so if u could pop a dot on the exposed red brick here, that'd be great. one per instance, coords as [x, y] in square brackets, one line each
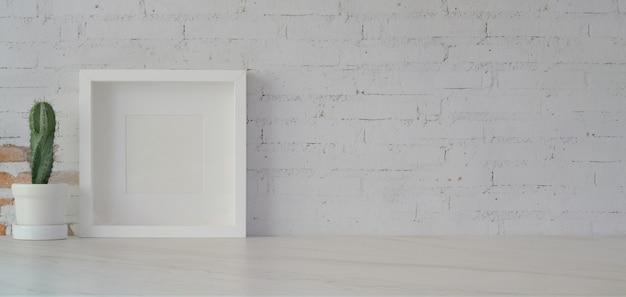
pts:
[23, 178]
[3, 230]
[6, 180]
[67, 177]
[6, 201]
[13, 153]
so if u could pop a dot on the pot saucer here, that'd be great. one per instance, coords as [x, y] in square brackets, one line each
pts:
[43, 232]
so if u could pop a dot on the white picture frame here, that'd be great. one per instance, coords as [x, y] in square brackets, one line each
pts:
[162, 153]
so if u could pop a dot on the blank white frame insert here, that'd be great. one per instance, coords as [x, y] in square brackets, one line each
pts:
[147, 154]
[162, 153]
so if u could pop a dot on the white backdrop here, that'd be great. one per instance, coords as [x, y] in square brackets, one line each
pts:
[368, 117]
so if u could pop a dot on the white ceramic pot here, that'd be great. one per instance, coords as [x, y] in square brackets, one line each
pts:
[39, 204]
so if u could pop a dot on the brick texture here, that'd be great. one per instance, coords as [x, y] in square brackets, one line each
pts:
[12, 153]
[66, 177]
[364, 117]
[6, 201]
[6, 179]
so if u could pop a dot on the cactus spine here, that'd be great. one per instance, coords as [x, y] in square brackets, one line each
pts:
[42, 125]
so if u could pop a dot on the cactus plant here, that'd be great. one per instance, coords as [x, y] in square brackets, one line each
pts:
[42, 126]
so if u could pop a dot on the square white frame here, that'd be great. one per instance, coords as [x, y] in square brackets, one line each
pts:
[88, 227]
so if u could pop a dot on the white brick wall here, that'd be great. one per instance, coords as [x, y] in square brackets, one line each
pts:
[370, 117]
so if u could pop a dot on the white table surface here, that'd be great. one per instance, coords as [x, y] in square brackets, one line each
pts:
[354, 266]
